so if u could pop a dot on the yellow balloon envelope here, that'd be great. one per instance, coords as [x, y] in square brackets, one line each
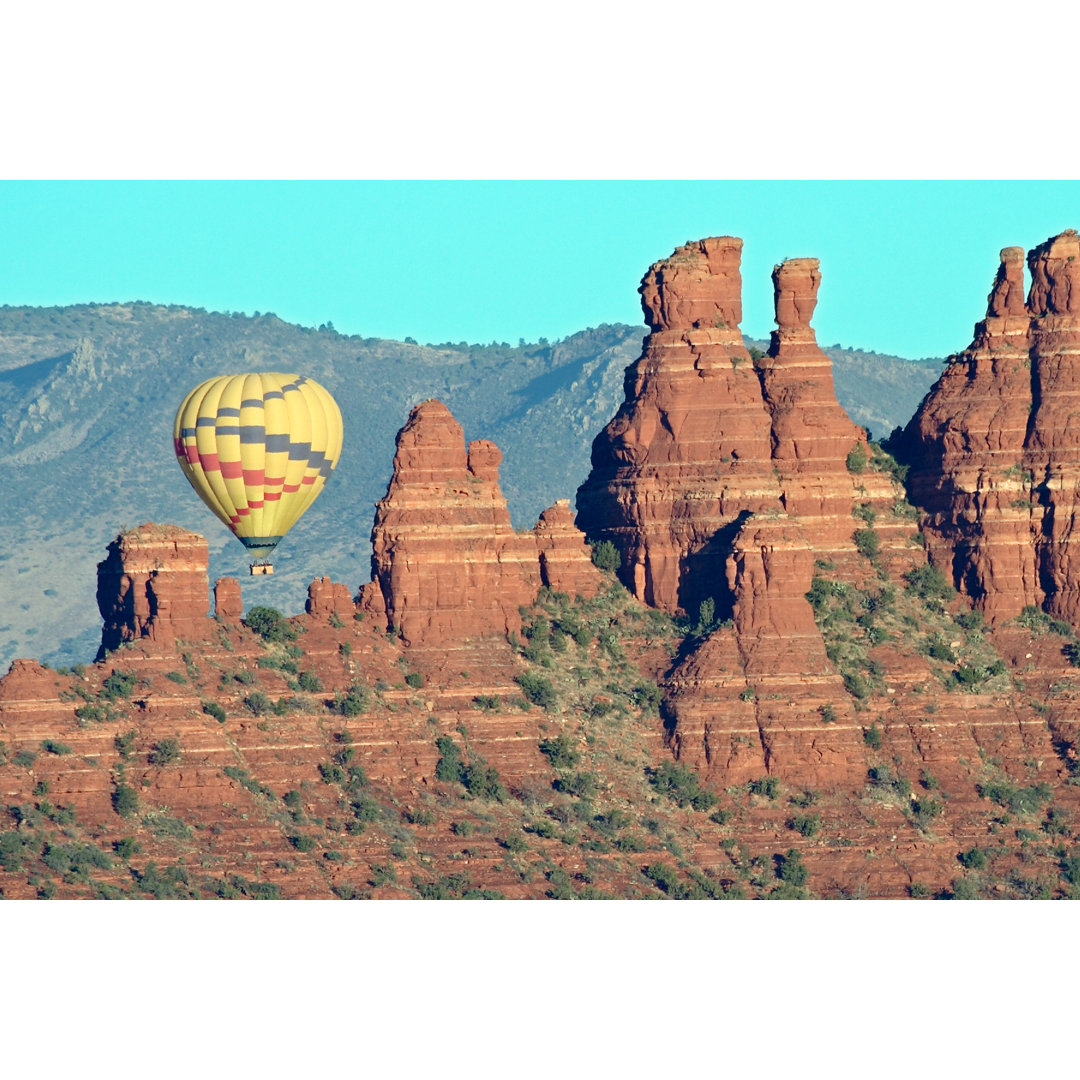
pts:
[258, 449]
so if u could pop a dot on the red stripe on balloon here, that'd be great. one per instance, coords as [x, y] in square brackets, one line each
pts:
[232, 470]
[254, 477]
[210, 462]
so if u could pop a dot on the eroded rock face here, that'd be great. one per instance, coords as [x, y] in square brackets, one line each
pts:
[327, 599]
[995, 447]
[447, 563]
[153, 584]
[565, 559]
[707, 436]
[228, 602]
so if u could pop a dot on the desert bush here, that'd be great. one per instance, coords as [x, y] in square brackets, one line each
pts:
[124, 800]
[537, 689]
[164, 752]
[309, 682]
[790, 868]
[212, 708]
[768, 786]
[257, 703]
[681, 785]
[805, 824]
[270, 624]
[560, 751]
[605, 555]
[120, 684]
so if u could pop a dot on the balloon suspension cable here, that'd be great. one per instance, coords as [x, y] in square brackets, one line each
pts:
[261, 568]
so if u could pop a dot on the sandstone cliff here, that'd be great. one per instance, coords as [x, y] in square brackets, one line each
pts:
[995, 447]
[707, 435]
[447, 563]
[153, 584]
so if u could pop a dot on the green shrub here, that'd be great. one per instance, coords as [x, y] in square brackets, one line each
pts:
[51, 746]
[292, 799]
[928, 583]
[790, 868]
[581, 785]
[332, 773]
[537, 689]
[257, 703]
[352, 703]
[124, 743]
[872, 736]
[560, 751]
[1017, 800]
[164, 752]
[768, 786]
[605, 555]
[973, 859]
[868, 543]
[681, 785]
[647, 697]
[270, 624]
[302, 842]
[827, 713]
[212, 708]
[126, 847]
[487, 702]
[24, 759]
[805, 824]
[120, 684]
[309, 682]
[124, 800]
[176, 677]
[450, 768]
[414, 679]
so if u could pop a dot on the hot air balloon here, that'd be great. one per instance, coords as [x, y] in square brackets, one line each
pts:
[258, 448]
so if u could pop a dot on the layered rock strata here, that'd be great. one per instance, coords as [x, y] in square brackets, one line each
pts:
[228, 603]
[153, 584]
[447, 563]
[707, 435]
[327, 600]
[995, 447]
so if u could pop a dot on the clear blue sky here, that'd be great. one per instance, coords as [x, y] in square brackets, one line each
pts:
[906, 265]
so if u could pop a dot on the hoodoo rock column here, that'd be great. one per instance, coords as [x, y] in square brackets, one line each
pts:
[154, 585]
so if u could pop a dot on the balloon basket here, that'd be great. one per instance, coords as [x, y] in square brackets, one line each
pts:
[261, 568]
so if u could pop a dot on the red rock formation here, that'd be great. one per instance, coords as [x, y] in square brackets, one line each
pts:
[447, 562]
[154, 585]
[688, 450]
[27, 680]
[327, 599]
[565, 559]
[995, 447]
[707, 436]
[228, 603]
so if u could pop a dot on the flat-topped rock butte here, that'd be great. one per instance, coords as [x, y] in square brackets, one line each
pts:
[801, 683]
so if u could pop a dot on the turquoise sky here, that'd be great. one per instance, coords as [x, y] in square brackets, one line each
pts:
[906, 266]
